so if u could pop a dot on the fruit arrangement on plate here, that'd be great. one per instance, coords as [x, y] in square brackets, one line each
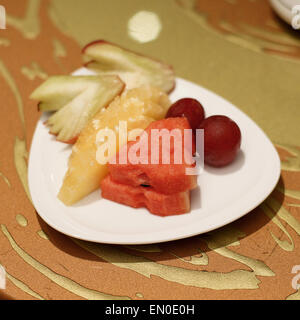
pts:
[121, 123]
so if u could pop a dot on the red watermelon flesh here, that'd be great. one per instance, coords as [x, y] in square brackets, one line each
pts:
[164, 178]
[138, 197]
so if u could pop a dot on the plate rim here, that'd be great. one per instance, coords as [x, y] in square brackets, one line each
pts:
[282, 10]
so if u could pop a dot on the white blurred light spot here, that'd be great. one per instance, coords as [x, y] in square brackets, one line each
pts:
[144, 26]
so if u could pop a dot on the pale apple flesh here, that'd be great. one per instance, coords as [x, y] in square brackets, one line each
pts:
[134, 69]
[78, 100]
[57, 91]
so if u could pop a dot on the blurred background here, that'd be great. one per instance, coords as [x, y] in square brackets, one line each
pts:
[241, 49]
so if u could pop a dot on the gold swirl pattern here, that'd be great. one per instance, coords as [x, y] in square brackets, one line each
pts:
[4, 42]
[29, 26]
[237, 279]
[59, 49]
[23, 286]
[292, 163]
[291, 193]
[59, 52]
[195, 260]
[20, 158]
[294, 205]
[284, 214]
[22, 221]
[218, 240]
[11, 83]
[62, 281]
[34, 71]
[5, 179]
[42, 235]
[294, 296]
[282, 243]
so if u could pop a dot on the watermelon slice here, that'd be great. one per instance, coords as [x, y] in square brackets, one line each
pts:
[164, 178]
[162, 188]
[138, 197]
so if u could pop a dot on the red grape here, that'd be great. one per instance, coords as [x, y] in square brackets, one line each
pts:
[222, 140]
[189, 108]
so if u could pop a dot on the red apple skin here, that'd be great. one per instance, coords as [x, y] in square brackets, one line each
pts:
[222, 140]
[71, 141]
[94, 43]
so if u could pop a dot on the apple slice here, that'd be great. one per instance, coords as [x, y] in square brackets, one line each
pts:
[83, 98]
[134, 69]
[57, 91]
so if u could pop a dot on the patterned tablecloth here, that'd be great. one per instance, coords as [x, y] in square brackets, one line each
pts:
[237, 48]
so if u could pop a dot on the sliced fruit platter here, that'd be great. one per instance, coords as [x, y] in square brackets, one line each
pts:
[128, 141]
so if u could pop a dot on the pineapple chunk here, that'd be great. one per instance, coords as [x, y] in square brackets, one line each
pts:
[139, 107]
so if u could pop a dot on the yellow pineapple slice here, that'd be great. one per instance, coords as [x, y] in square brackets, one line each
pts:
[138, 107]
